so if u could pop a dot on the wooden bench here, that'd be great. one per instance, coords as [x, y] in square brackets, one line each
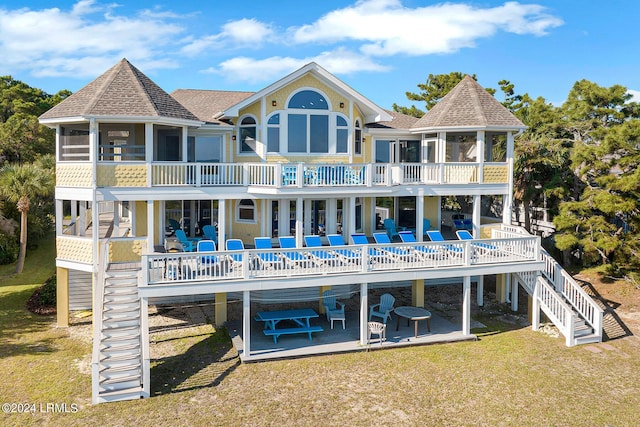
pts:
[288, 331]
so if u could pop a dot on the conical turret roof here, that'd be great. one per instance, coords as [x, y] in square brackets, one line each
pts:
[122, 91]
[468, 105]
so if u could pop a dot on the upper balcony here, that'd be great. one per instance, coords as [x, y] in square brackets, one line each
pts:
[278, 175]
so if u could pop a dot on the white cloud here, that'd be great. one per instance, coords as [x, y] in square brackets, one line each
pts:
[339, 61]
[635, 94]
[55, 42]
[241, 33]
[386, 27]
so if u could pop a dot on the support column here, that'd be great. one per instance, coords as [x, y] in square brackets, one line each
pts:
[62, 297]
[150, 226]
[350, 205]
[364, 312]
[477, 204]
[321, 309]
[514, 294]
[507, 203]
[220, 309]
[501, 288]
[420, 231]
[417, 293]
[534, 307]
[331, 216]
[246, 323]
[480, 291]
[283, 217]
[466, 305]
[307, 217]
[299, 222]
[222, 222]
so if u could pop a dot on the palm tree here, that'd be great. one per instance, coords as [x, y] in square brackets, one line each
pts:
[19, 184]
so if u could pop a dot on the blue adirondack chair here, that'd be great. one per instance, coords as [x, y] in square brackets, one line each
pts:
[234, 245]
[293, 258]
[333, 308]
[187, 245]
[391, 228]
[209, 232]
[383, 309]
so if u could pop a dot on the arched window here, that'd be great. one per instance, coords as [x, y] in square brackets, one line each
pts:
[248, 135]
[308, 99]
[273, 133]
[357, 139]
[246, 211]
[342, 135]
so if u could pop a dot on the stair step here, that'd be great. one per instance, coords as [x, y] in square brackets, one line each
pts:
[119, 346]
[113, 324]
[129, 393]
[117, 307]
[120, 380]
[119, 370]
[120, 316]
[588, 339]
[110, 358]
[121, 291]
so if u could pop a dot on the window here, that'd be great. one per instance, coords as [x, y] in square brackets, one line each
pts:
[273, 134]
[342, 135]
[461, 147]
[308, 99]
[74, 143]
[248, 135]
[357, 139]
[206, 149]
[168, 145]
[246, 211]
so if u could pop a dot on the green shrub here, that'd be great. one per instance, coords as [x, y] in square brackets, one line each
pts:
[8, 249]
[48, 292]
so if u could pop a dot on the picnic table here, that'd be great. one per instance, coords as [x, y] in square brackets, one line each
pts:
[300, 317]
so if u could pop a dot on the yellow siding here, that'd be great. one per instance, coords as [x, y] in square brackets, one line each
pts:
[74, 249]
[282, 94]
[431, 210]
[315, 158]
[242, 230]
[141, 218]
[120, 175]
[496, 174]
[73, 175]
[126, 250]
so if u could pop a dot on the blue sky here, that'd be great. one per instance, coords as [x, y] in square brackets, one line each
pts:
[381, 48]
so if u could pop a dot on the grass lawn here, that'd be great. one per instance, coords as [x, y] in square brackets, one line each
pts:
[510, 377]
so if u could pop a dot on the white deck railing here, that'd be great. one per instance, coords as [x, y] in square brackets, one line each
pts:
[556, 309]
[283, 175]
[173, 268]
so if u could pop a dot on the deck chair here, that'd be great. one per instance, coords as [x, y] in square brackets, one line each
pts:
[210, 232]
[187, 244]
[234, 245]
[333, 308]
[206, 261]
[391, 228]
[267, 259]
[361, 239]
[337, 242]
[383, 309]
[383, 238]
[425, 251]
[314, 241]
[175, 225]
[484, 247]
[426, 226]
[293, 258]
[436, 236]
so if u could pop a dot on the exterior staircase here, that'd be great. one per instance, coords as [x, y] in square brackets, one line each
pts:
[577, 316]
[118, 371]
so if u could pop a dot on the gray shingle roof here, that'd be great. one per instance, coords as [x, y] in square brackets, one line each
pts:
[122, 91]
[468, 105]
[399, 121]
[206, 104]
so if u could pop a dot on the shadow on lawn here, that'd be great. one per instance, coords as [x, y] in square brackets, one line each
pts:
[613, 327]
[204, 364]
[16, 323]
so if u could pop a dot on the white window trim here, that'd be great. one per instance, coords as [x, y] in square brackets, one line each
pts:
[239, 139]
[246, 221]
